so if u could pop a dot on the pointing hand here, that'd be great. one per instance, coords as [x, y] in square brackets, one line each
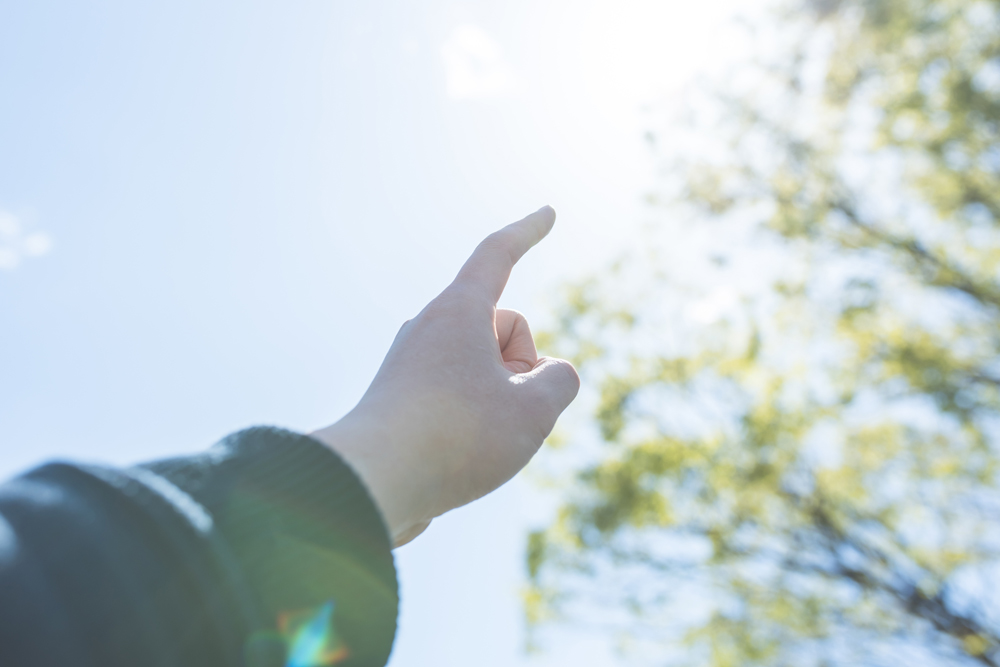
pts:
[462, 400]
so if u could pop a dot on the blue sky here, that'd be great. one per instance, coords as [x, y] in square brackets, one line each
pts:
[214, 215]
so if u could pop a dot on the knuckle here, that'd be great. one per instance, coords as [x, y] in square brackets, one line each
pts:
[571, 377]
[403, 328]
[498, 242]
[495, 240]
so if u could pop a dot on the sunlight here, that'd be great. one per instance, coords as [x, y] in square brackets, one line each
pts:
[474, 65]
[629, 53]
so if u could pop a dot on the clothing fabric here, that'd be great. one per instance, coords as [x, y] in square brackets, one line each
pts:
[264, 551]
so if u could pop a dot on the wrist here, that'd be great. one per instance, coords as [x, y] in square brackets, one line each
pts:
[390, 479]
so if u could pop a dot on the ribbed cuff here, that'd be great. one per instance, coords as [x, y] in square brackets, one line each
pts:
[309, 541]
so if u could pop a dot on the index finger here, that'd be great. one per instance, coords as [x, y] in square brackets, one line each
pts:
[490, 265]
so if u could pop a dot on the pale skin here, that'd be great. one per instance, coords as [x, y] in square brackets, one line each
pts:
[462, 400]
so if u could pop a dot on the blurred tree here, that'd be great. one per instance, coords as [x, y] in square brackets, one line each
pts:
[805, 473]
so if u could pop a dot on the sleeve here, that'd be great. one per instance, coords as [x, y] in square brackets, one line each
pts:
[264, 551]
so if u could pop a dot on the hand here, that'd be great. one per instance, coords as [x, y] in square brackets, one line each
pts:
[462, 401]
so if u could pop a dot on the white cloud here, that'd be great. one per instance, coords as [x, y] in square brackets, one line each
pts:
[36, 245]
[15, 245]
[474, 66]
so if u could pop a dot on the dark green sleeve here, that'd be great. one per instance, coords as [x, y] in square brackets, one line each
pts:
[264, 551]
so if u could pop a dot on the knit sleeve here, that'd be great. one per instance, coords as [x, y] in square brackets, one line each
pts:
[264, 551]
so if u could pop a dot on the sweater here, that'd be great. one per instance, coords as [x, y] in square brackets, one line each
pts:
[264, 551]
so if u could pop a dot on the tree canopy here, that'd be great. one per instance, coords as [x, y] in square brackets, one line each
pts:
[798, 446]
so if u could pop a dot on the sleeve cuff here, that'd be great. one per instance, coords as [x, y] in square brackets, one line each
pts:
[310, 543]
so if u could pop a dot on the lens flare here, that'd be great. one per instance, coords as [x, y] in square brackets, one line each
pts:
[312, 638]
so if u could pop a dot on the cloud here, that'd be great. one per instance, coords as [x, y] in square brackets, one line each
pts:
[474, 66]
[16, 244]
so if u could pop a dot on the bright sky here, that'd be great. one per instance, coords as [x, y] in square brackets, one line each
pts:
[218, 214]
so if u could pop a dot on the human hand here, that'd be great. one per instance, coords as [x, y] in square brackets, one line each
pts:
[462, 400]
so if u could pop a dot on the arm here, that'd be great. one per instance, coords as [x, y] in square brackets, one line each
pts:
[274, 548]
[462, 401]
[212, 560]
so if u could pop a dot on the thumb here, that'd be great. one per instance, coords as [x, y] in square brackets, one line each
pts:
[547, 390]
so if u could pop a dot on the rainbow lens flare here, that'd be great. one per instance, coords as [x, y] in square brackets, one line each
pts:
[312, 639]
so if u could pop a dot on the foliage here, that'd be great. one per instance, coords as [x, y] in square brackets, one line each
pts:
[810, 475]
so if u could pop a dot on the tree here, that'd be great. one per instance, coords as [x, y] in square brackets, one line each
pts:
[810, 474]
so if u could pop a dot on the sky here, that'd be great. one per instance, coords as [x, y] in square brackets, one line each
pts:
[215, 215]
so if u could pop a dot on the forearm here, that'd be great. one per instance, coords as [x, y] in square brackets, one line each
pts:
[193, 561]
[395, 481]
